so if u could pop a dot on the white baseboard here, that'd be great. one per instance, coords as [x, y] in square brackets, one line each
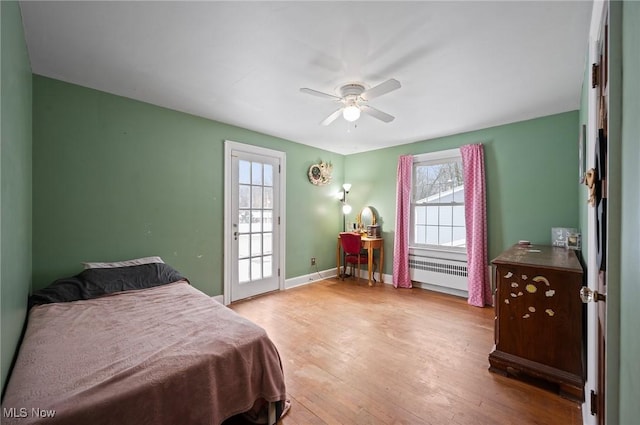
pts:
[309, 278]
[330, 273]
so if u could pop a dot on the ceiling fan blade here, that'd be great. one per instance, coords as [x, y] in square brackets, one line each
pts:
[376, 113]
[319, 93]
[331, 118]
[380, 89]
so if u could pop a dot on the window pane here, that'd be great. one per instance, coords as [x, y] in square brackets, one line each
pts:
[244, 221]
[459, 237]
[256, 244]
[445, 236]
[432, 235]
[256, 221]
[458, 215]
[268, 198]
[256, 173]
[420, 234]
[420, 214]
[267, 243]
[434, 198]
[243, 270]
[446, 218]
[256, 196]
[267, 267]
[256, 268]
[458, 195]
[243, 246]
[244, 196]
[244, 172]
[432, 215]
[268, 175]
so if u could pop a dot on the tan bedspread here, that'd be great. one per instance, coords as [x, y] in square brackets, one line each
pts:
[164, 355]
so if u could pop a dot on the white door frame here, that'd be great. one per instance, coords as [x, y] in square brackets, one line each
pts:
[230, 146]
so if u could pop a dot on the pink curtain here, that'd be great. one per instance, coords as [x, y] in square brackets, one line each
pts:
[475, 212]
[401, 278]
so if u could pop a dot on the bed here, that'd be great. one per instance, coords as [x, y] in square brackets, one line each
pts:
[137, 344]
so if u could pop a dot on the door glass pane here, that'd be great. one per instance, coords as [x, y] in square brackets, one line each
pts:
[244, 172]
[267, 243]
[256, 196]
[268, 198]
[267, 269]
[267, 219]
[256, 244]
[256, 173]
[243, 246]
[243, 270]
[268, 175]
[256, 221]
[244, 196]
[256, 268]
[244, 220]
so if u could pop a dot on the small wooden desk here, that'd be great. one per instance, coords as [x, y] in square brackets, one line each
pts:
[369, 244]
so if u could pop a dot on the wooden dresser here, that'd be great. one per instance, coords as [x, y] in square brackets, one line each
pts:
[539, 325]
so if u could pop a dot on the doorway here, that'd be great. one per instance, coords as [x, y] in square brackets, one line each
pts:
[253, 220]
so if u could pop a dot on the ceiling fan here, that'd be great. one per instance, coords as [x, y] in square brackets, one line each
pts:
[354, 98]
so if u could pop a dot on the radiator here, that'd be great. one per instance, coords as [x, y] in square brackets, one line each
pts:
[440, 272]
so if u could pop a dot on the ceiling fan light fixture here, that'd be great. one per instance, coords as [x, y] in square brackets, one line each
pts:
[351, 113]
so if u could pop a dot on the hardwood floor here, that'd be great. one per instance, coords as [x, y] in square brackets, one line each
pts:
[359, 355]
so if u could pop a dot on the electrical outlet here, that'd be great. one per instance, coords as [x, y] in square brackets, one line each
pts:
[313, 261]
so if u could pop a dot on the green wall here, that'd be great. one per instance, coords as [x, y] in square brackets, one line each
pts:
[630, 218]
[15, 180]
[531, 172]
[116, 178]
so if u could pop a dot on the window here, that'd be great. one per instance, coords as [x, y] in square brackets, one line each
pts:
[437, 201]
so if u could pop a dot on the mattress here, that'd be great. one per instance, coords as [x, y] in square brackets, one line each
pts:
[167, 354]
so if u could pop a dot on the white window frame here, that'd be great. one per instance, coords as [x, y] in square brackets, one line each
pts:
[453, 253]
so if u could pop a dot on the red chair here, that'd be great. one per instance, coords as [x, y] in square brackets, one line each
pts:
[351, 245]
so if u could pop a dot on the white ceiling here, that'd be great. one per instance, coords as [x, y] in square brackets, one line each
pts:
[463, 65]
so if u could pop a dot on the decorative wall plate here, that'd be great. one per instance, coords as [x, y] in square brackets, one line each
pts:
[320, 174]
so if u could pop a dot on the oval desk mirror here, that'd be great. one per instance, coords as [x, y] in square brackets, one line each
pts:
[365, 218]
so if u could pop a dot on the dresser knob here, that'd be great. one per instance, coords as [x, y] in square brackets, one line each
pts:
[588, 295]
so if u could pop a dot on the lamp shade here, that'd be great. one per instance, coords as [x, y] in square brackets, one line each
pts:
[346, 187]
[346, 209]
[351, 113]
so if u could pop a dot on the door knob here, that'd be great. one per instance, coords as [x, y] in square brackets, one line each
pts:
[588, 295]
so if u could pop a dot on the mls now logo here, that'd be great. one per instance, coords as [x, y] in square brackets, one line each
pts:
[23, 412]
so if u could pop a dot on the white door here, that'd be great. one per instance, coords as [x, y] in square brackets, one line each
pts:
[253, 238]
